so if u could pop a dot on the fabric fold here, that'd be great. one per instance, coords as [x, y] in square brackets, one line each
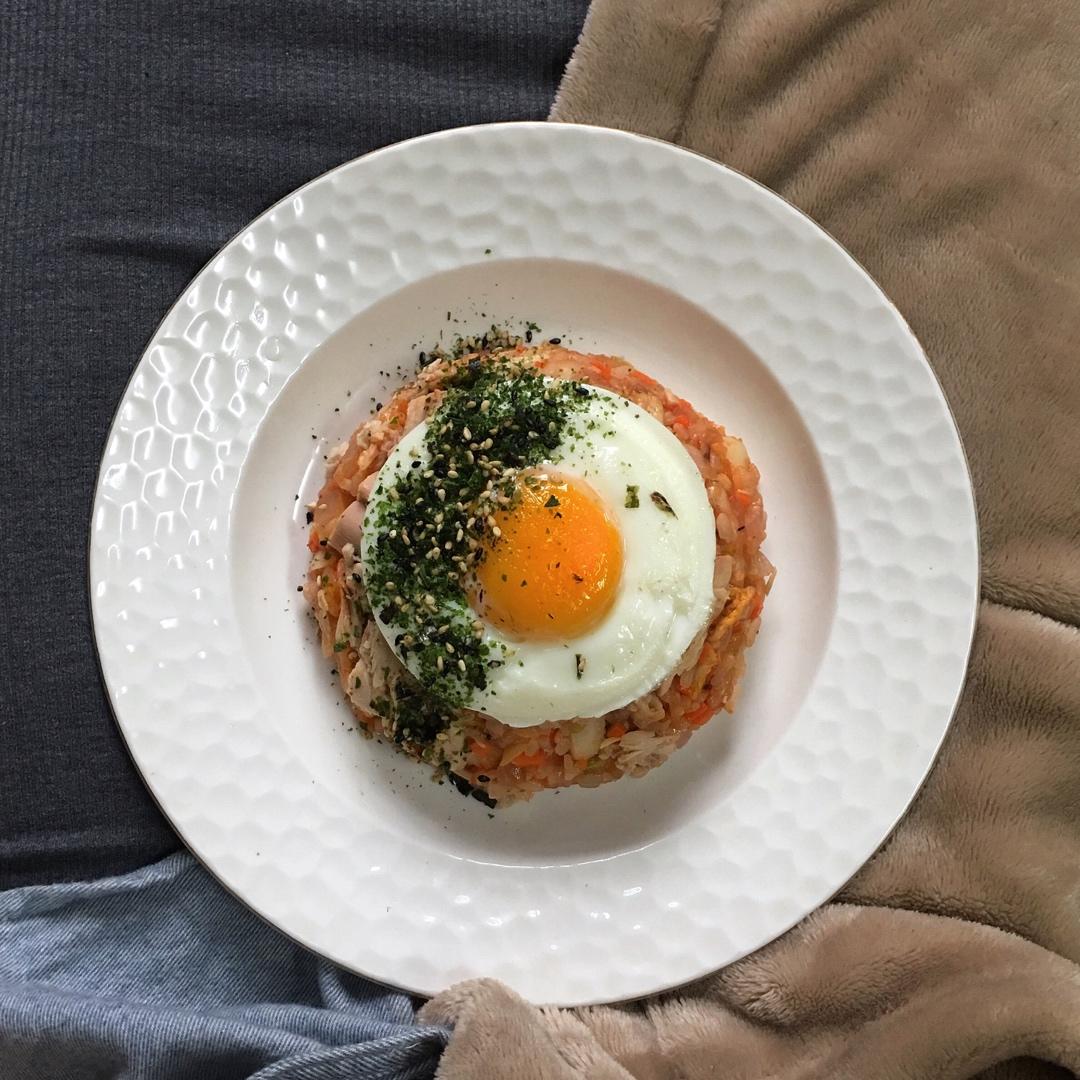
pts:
[161, 974]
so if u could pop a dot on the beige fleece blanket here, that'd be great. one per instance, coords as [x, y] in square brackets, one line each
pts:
[939, 140]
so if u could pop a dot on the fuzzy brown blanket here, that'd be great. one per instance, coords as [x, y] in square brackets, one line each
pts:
[939, 140]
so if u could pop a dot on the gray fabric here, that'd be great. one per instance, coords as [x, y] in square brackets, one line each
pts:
[161, 975]
[136, 137]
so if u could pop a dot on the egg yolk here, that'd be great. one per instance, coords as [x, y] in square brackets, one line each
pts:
[552, 570]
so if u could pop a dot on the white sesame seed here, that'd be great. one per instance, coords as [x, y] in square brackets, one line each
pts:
[441, 492]
[439, 663]
[461, 665]
[485, 405]
[466, 434]
[496, 532]
[449, 647]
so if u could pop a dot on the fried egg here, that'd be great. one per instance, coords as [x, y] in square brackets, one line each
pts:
[596, 576]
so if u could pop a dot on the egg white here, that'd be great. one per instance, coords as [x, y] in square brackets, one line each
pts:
[665, 594]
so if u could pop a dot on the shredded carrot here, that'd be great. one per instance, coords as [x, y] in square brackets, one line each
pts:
[615, 731]
[700, 715]
[537, 757]
[313, 542]
[601, 367]
[332, 591]
[648, 380]
[743, 498]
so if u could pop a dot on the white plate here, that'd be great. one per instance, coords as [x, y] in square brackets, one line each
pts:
[622, 245]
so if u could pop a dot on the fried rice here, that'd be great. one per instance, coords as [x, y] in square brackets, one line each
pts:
[497, 763]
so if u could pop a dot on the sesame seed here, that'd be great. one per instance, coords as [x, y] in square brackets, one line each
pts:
[466, 434]
[461, 665]
[449, 648]
[485, 405]
[496, 532]
[439, 663]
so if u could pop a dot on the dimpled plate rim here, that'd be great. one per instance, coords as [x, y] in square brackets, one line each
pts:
[734, 878]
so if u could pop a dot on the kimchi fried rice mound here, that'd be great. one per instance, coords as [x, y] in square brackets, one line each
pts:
[494, 762]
